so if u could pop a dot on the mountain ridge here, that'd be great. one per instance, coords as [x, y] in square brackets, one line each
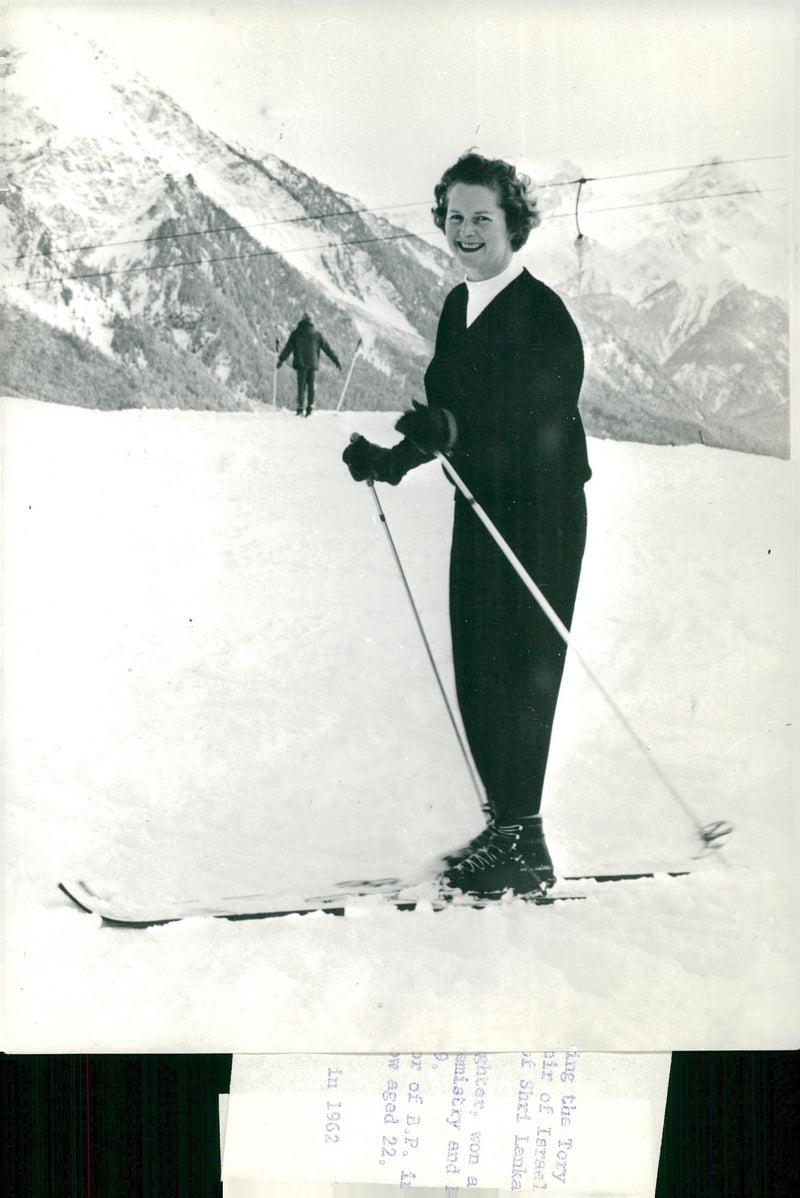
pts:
[191, 258]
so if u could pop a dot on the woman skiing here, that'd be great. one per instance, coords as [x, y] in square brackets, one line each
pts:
[502, 391]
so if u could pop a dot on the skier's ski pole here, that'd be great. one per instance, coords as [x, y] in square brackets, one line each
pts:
[710, 835]
[275, 376]
[350, 371]
[462, 746]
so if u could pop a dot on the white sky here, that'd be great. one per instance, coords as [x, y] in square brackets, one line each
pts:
[376, 99]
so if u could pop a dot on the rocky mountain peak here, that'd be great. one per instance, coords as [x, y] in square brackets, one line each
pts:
[147, 261]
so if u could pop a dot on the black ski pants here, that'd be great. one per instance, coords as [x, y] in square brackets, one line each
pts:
[305, 387]
[507, 656]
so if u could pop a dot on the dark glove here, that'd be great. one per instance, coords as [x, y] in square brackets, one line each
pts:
[431, 428]
[280, 363]
[365, 460]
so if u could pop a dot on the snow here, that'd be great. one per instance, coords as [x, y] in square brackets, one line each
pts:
[131, 136]
[214, 684]
[71, 110]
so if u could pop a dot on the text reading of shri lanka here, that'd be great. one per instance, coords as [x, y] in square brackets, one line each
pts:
[459, 1120]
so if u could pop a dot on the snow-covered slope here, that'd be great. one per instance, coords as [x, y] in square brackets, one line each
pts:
[213, 682]
[115, 182]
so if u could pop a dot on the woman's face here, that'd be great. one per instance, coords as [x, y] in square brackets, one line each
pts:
[475, 228]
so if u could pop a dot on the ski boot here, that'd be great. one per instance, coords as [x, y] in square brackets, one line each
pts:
[511, 857]
[309, 410]
[299, 412]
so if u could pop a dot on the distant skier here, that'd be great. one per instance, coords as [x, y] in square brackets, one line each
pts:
[305, 342]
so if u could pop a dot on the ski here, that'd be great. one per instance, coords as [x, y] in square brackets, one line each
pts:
[341, 897]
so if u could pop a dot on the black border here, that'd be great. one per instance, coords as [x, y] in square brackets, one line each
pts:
[146, 1126]
[113, 1126]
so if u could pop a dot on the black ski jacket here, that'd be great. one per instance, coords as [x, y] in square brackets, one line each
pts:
[512, 381]
[305, 342]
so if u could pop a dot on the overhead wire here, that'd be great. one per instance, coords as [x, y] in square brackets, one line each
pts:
[662, 170]
[331, 215]
[130, 270]
[709, 195]
[236, 228]
[407, 235]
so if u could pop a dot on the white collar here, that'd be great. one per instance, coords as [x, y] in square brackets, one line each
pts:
[482, 291]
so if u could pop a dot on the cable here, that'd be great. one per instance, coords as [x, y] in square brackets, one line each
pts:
[380, 208]
[289, 220]
[661, 170]
[130, 270]
[363, 241]
[710, 195]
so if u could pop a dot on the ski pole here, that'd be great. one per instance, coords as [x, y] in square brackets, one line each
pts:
[711, 834]
[275, 376]
[350, 371]
[389, 537]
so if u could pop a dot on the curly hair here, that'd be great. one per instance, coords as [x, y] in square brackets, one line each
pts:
[511, 189]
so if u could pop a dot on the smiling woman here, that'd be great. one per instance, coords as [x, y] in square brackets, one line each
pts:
[502, 391]
[476, 232]
[486, 212]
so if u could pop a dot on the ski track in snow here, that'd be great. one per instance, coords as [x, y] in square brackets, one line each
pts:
[214, 684]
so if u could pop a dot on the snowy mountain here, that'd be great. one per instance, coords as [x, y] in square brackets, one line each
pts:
[110, 180]
[146, 262]
[681, 294]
